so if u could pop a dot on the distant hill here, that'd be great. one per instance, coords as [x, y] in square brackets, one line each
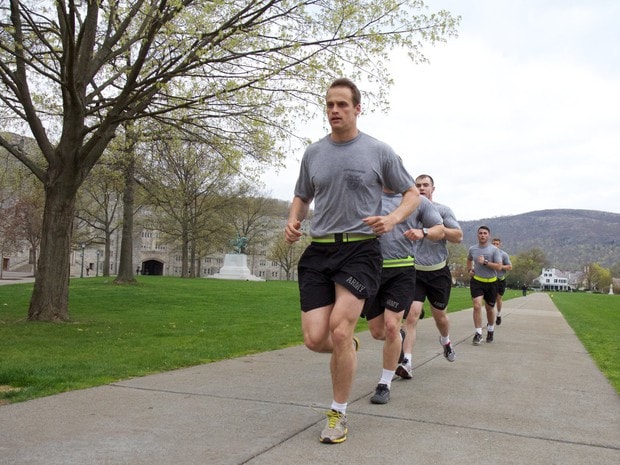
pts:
[569, 238]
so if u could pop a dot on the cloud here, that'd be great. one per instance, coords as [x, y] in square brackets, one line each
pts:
[517, 114]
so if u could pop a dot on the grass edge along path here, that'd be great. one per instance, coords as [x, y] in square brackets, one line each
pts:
[595, 319]
[157, 325]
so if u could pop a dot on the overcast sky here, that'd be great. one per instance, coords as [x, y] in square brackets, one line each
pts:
[520, 113]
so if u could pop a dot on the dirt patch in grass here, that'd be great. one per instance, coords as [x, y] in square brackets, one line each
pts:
[6, 389]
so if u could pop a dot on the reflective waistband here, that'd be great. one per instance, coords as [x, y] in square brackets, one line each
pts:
[398, 262]
[342, 237]
[439, 266]
[485, 280]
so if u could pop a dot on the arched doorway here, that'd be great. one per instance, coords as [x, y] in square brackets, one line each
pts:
[152, 267]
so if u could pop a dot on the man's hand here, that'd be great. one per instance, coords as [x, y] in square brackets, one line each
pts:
[292, 231]
[380, 224]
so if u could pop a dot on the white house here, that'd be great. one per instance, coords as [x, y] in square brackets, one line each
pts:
[553, 279]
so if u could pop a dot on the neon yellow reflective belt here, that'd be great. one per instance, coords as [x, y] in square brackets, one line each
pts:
[343, 237]
[485, 280]
[398, 262]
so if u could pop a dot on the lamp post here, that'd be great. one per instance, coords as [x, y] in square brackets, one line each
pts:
[82, 266]
[97, 269]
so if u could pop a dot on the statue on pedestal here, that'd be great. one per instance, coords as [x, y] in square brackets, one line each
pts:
[239, 243]
[236, 264]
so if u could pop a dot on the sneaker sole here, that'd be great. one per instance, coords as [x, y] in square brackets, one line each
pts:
[334, 441]
[378, 401]
[400, 371]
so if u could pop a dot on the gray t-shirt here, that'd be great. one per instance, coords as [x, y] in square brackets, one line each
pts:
[491, 253]
[505, 261]
[394, 244]
[429, 252]
[346, 181]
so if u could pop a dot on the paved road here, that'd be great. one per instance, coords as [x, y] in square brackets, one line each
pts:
[14, 277]
[534, 396]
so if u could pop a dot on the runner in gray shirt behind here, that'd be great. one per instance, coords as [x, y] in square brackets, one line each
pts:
[386, 310]
[484, 260]
[433, 278]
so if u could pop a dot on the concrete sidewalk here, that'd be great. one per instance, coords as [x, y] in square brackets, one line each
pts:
[533, 396]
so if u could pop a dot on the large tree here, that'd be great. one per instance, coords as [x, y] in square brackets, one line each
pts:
[72, 72]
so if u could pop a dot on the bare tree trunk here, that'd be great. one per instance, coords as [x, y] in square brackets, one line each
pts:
[126, 267]
[106, 253]
[185, 253]
[50, 297]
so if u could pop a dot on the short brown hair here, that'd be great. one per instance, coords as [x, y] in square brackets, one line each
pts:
[355, 92]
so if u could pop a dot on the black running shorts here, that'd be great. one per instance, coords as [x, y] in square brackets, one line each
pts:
[434, 286]
[501, 286]
[395, 292]
[354, 265]
[487, 290]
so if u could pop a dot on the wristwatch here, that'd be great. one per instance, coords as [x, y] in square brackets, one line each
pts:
[425, 231]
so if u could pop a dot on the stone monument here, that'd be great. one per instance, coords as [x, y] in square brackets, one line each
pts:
[611, 289]
[236, 264]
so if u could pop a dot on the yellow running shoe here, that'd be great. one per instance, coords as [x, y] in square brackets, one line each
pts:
[336, 429]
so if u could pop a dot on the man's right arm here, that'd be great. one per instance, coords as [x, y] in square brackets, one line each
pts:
[297, 213]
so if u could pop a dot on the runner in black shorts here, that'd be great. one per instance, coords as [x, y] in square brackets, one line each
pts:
[501, 279]
[343, 174]
[483, 261]
[386, 311]
[433, 278]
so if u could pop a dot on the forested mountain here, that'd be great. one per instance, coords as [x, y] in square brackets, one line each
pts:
[569, 238]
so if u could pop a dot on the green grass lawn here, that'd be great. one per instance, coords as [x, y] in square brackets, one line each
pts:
[595, 318]
[160, 324]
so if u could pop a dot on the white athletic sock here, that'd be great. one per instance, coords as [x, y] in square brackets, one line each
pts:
[445, 340]
[408, 357]
[479, 330]
[386, 377]
[490, 327]
[342, 408]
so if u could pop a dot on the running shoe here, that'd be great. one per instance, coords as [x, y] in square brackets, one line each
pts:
[477, 339]
[335, 430]
[448, 351]
[404, 370]
[498, 320]
[382, 395]
[489, 336]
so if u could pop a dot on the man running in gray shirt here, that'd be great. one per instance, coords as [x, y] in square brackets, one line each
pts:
[433, 278]
[483, 262]
[344, 174]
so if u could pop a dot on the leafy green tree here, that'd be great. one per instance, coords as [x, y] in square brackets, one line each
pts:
[526, 267]
[187, 186]
[74, 72]
[287, 255]
[597, 278]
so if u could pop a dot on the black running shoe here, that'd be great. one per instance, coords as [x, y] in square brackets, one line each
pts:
[489, 336]
[477, 339]
[382, 395]
[498, 320]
